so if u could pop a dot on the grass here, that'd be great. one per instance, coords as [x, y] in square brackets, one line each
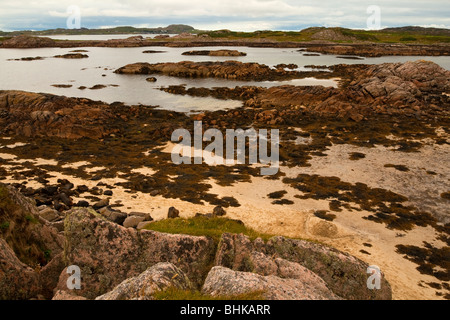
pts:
[380, 36]
[174, 294]
[4, 225]
[204, 226]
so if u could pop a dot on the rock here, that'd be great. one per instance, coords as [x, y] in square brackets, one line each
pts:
[173, 213]
[154, 193]
[82, 189]
[24, 41]
[219, 212]
[82, 204]
[17, 280]
[226, 282]
[101, 204]
[133, 221]
[37, 114]
[67, 296]
[156, 278]
[215, 53]
[113, 215]
[30, 241]
[50, 215]
[143, 225]
[108, 193]
[117, 253]
[72, 56]
[151, 79]
[234, 70]
[49, 275]
[58, 225]
[344, 274]
[146, 216]
[65, 199]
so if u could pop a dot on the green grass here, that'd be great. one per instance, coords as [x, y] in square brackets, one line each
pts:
[174, 294]
[203, 226]
[380, 36]
[4, 225]
[31, 219]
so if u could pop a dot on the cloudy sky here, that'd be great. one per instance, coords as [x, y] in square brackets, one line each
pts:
[245, 15]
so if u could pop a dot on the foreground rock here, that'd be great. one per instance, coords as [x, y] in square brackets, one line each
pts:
[343, 274]
[30, 249]
[109, 254]
[67, 296]
[157, 278]
[225, 282]
[17, 280]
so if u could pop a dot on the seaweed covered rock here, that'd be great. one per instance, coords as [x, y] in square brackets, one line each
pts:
[37, 114]
[157, 278]
[108, 254]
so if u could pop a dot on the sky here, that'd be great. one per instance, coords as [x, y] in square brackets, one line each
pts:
[236, 15]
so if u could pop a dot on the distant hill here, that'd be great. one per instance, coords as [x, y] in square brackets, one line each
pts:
[171, 29]
[406, 35]
[420, 30]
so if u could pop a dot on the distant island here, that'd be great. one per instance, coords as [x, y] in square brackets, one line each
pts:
[408, 34]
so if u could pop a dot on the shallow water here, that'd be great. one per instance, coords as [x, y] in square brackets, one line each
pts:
[40, 75]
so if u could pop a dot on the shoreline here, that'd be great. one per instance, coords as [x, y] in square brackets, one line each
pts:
[325, 47]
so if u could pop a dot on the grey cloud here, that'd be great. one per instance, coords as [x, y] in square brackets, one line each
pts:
[232, 14]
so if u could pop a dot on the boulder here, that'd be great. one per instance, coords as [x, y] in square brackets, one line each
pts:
[109, 254]
[226, 282]
[67, 296]
[115, 216]
[133, 221]
[173, 213]
[17, 280]
[344, 274]
[50, 215]
[156, 278]
[219, 212]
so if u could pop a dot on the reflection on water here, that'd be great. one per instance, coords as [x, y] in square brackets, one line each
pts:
[40, 75]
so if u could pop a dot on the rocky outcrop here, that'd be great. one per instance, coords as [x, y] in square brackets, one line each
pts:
[215, 53]
[411, 89]
[17, 280]
[373, 49]
[109, 254]
[25, 41]
[157, 278]
[30, 249]
[233, 70]
[343, 274]
[35, 114]
[72, 56]
[225, 282]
